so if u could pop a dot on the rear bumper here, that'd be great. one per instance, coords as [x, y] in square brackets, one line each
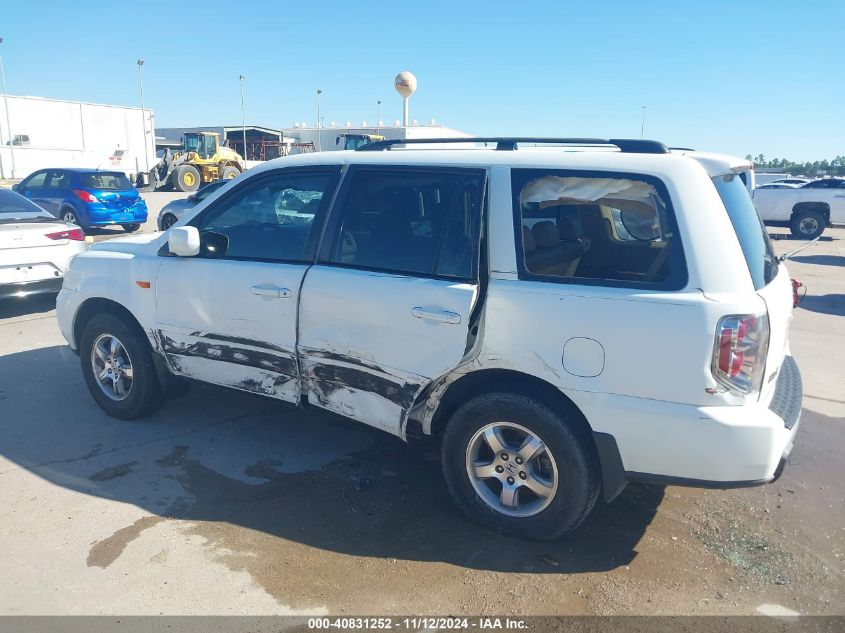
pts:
[24, 289]
[103, 216]
[704, 447]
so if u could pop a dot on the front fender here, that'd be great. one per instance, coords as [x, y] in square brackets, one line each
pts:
[126, 279]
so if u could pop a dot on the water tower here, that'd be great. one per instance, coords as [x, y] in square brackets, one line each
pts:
[405, 84]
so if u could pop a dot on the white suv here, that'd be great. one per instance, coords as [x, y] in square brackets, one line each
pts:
[563, 318]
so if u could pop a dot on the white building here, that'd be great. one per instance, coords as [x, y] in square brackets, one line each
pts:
[55, 133]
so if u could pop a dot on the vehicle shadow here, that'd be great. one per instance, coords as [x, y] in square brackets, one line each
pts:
[825, 304]
[13, 307]
[297, 476]
[792, 238]
[822, 260]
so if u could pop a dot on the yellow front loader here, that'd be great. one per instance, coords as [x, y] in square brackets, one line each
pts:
[202, 160]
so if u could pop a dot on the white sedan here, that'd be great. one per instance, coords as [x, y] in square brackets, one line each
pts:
[35, 247]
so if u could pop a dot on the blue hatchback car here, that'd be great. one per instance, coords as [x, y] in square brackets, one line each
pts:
[86, 197]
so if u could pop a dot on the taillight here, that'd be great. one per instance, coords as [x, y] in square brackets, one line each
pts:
[739, 356]
[85, 196]
[71, 234]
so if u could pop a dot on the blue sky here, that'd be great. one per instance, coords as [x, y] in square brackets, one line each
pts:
[739, 77]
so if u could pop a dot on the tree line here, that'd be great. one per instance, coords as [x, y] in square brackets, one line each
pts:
[835, 167]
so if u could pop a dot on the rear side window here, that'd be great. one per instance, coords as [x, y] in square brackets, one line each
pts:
[752, 236]
[107, 181]
[597, 229]
[413, 222]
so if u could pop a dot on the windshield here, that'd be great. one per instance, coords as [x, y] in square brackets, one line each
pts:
[191, 142]
[755, 242]
[14, 207]
[206, 191]
[106, 180]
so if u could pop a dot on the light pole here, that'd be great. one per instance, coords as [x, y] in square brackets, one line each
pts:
[319, 144]
[243, 115]
[6, 107]
[378, 115]
[143, 115]
[642, 125]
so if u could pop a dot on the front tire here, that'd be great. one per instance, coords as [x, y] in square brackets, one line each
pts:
[517, 465]
[168, 220]
[186, 178]
[229, 172]
[131, 228]
[118, 368]
[807, 224]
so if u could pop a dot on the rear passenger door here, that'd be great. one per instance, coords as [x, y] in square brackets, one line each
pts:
[388, 305]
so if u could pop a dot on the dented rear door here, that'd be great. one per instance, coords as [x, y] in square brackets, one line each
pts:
[389, 304]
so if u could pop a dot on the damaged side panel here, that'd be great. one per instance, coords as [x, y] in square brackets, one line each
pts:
[363, 391]
[240, 363]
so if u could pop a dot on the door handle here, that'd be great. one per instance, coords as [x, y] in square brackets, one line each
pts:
[270, 291]
[441, 316]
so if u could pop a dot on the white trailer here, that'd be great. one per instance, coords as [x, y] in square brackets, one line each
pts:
[39, 133]
[329, 138]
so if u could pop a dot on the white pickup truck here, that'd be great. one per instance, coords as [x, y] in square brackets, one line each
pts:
[807, 209]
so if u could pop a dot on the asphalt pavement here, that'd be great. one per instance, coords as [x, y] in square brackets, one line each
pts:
[225, 503]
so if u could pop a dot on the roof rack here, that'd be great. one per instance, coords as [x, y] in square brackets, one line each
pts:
[510, 143]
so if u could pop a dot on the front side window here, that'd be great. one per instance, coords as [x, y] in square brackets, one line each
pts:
[414, 222]
[35, 181]
[277, 218]
[597, 229]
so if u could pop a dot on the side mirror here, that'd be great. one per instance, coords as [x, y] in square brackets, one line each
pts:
[16, 187]
[184, 241]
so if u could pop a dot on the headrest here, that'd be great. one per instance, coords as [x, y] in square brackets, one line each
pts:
[570, 228]
[528, 243]
[545, 234]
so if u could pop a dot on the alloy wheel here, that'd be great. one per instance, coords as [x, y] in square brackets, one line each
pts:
[511, 469]
[112, 367]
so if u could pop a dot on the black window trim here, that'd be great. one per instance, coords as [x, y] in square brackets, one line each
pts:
[675, 282]
[331, 231]
[320, 217]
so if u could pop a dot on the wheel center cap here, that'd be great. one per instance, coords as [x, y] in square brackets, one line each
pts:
[511, 468]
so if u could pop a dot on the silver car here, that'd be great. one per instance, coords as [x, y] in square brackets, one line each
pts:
[172, 211]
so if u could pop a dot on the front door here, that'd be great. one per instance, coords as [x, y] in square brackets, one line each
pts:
[228, 316]
[34, 188]
[388, 306]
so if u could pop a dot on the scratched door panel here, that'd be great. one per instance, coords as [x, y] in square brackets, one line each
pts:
[213, 327]
[364, 354]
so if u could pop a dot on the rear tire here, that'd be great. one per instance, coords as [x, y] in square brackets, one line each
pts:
[186, 178]
[131, 228]
[67, 214]
[566, 466]
[227, 173]
[140, 394]
[807, 224]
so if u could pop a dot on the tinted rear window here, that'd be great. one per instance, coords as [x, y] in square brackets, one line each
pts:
[749, 229]
[118, 182]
